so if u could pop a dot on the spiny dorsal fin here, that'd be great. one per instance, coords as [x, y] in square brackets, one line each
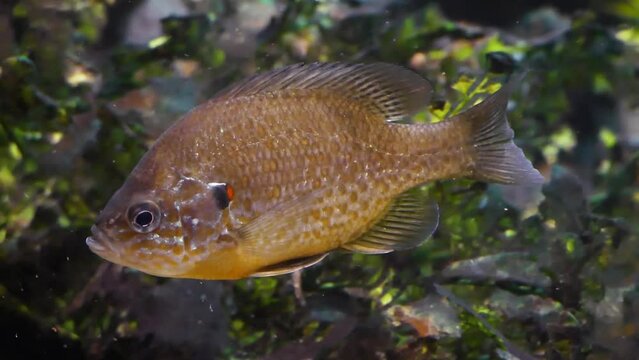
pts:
[390, 90]
[289, 266]
[409, 221]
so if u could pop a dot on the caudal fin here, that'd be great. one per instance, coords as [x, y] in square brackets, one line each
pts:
[496, 157]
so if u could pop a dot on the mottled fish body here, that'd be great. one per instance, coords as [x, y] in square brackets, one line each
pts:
[277, 171]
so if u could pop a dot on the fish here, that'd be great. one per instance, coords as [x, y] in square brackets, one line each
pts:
[279, 170]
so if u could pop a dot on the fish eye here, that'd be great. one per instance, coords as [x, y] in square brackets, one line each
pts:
[144, 217]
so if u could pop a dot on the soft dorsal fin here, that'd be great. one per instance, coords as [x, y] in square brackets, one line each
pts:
[289, 266]
[410, 220]
[392, 91]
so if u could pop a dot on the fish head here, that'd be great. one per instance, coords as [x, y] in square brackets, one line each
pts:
[165, 230]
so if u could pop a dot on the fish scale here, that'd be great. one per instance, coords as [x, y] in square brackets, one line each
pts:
[328, 154]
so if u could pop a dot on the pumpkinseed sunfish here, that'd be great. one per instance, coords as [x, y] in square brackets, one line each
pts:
[277, 171]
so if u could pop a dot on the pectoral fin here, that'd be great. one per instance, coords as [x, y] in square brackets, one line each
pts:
[276, 223]
[410, 219]
[289, 266]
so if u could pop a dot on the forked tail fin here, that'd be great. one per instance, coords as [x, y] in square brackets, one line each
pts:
[496, 157]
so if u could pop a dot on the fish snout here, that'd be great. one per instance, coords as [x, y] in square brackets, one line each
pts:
[100, 243]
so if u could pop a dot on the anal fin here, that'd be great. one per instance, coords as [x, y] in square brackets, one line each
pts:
[289, 266]
[410, 219]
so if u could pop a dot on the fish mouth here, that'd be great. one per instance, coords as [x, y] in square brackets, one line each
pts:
[100, 243]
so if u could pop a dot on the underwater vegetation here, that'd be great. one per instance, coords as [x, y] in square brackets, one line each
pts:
[541, 271]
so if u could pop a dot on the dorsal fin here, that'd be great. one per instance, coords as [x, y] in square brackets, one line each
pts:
[410, 220]
[392, 91]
